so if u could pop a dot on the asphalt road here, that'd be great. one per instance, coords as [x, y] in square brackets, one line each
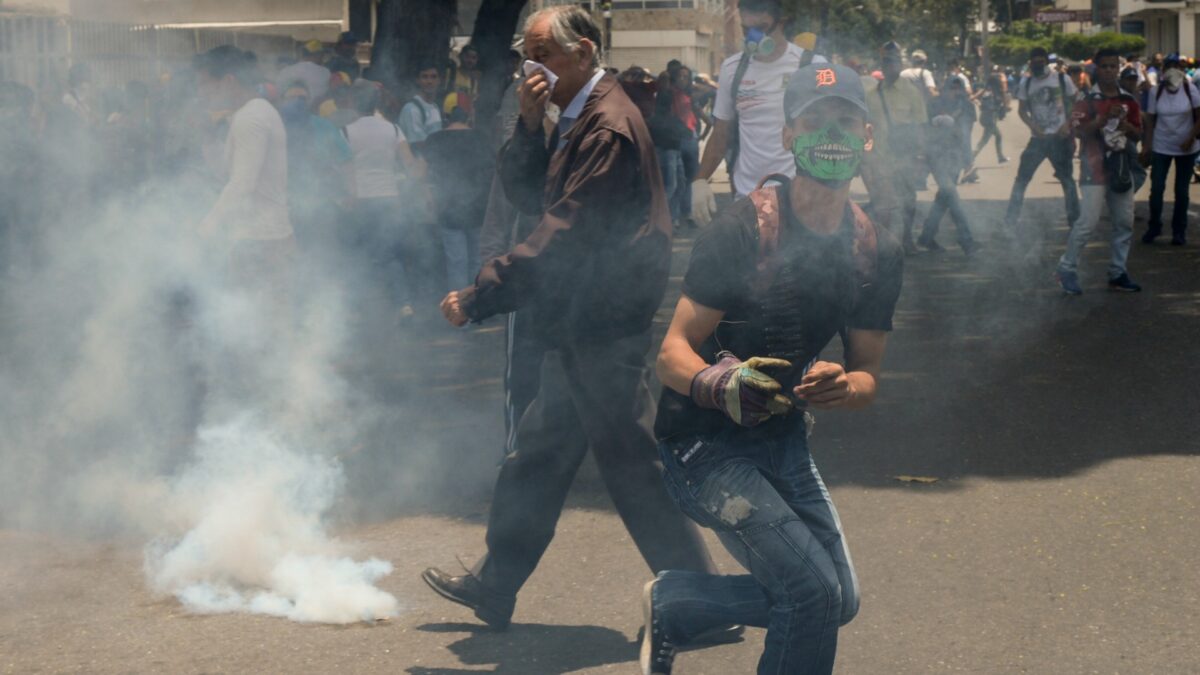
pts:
[1061, 535]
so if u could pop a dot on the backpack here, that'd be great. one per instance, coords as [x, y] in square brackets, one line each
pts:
[1118, 164]
[1187, 91]
[766, 207]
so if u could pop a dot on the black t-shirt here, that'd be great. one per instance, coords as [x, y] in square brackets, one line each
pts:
[460, 173]
[817, 292]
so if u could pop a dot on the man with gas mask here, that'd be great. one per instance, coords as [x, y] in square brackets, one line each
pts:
[747, 118]
[590, 276]
[769, 285]
[1046, 97]
[1171, 125]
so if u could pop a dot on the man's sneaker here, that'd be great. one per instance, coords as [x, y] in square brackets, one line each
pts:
[1069, 282]
[657, 651]
[930, 244]
[1178, 240]
[1151, 235]
[494, 609]
[1123, 283]
[1002, 160]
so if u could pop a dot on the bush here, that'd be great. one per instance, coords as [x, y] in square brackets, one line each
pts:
[1013, 50]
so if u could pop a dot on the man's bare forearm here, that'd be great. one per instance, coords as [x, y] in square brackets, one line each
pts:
[714, 150]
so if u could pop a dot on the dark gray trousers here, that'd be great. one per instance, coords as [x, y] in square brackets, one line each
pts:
[591, 396]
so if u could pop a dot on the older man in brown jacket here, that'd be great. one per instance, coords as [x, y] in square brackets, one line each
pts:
[591, 275]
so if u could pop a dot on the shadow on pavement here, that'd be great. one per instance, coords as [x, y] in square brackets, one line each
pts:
[531, 648]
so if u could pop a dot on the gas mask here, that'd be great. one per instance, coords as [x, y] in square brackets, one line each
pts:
[1174, 78]
[758, 42]
[829, 156]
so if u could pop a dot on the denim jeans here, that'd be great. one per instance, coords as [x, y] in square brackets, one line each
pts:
[1159, 166]
[379, 238]
[671, 164]
[1120, 211]
[689, 155]
[461, 248]
[1060, 152]
[768, 505]
[945, 174]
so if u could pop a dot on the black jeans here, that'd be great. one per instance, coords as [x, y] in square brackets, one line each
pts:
[596, 396]
[1060, 151]
[1159, 166]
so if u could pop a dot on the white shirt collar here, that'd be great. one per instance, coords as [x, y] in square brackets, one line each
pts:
[573, 109]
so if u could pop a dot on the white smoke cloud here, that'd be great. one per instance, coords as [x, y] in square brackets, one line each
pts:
[257, 542]
[143, 393]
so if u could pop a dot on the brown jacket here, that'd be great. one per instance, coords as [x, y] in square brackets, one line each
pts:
[596, 265]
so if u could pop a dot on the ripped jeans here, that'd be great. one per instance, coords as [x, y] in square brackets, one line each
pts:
[768, 505]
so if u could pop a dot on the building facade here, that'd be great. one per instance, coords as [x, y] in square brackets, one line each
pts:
[1168, 26]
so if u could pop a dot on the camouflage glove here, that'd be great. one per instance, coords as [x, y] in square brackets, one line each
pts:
[740, 390]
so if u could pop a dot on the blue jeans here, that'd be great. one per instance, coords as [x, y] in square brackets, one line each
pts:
[671, 164]
[946, 176]
[767, 503]
[1060, 151]
[462, 256]
[689, 155]
[1159, 166]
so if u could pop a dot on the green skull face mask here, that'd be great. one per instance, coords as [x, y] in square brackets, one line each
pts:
[829, 155]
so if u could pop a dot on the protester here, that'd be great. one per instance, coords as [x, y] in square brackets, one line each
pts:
[1172, 124]
[318, 162]
[593, 273]
[684, 109]
[420, 117]
[947, 158]
[458, 171]
[1105, 122]
[1045, 98]
[747, 110]
[667, 132]
[920, 75]
[466, 83]
[308, 71]
[992, 109]
[250, 219]
[774, 279]
[345, 56]
[384, 233]
[900, 118]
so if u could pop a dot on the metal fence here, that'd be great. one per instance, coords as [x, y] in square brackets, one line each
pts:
[38, 50]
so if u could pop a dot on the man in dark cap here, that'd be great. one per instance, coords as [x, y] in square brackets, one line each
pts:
[773, 280]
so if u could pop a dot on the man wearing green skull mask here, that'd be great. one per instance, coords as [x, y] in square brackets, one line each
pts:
[769, 285]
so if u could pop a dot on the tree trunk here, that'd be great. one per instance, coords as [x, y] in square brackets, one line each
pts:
[495, 26]
[410, 33]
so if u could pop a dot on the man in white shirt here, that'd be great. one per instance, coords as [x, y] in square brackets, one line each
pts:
[309, 71]
[920, 75]
[754, 112]
[1045, 96]
[250, 218]
[1171, 124]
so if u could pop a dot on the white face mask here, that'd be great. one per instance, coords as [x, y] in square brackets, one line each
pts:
[1173, 78]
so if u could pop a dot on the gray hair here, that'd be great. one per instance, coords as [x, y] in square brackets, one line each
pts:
[569, 24]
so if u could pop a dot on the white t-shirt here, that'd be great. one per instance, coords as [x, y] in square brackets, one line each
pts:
[253, 204]
[759, 109]
[375, 143]
[1173, 118]
[1046, 100]
[314, 76]
[922, 77]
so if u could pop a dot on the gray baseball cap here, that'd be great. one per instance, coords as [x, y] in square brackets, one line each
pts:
[822, 80]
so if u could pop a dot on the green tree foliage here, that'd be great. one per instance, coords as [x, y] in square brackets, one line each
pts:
[1014, 49]
[859, 27]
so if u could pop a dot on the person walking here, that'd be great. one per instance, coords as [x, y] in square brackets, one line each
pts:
[947, 158]
[1171, 127]
[992, 109]
[592, 274]
[1106, 122]
[1045, 101]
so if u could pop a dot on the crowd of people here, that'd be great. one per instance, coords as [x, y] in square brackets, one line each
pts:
[566, 229]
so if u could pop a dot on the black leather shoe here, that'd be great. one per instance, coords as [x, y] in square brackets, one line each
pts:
[658, 654]
[494, 609]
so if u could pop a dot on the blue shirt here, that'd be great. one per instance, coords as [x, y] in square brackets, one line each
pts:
[571, 113]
